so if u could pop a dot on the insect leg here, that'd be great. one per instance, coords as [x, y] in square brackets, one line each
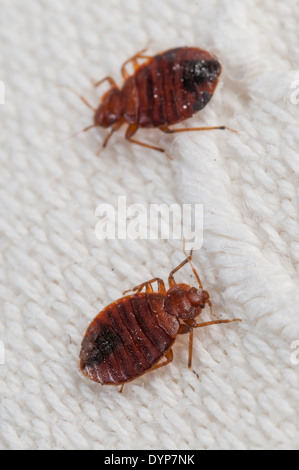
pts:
[188, 129]
[168, 358]
[147, 285]
[138, 55]
[183, 329]
[215, 322]
[188, 326]
[107, 138]
[132, 130]
[114, 128]
[109, 79]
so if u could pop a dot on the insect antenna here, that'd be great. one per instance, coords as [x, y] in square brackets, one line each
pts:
[84, 100]
[79, 132]
[189, 258]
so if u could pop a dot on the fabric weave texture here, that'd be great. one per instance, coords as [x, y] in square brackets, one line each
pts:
[56, 275]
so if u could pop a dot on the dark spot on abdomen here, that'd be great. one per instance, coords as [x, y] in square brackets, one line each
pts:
[199, 72]
[203, 98]
[106, 342]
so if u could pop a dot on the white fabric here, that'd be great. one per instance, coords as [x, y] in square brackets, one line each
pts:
[56, 275]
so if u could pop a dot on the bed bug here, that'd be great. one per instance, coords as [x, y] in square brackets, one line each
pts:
[164, 90]
[133, 334]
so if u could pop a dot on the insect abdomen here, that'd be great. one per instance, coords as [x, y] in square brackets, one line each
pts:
[174, 85]
[123, 342]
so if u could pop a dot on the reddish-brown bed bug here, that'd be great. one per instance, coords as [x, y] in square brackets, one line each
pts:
[164, 90]
[131, 335]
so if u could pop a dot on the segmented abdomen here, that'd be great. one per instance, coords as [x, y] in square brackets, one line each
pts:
[123, 341]
[167, 91]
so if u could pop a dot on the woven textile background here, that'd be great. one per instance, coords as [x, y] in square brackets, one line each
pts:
[56, 275]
